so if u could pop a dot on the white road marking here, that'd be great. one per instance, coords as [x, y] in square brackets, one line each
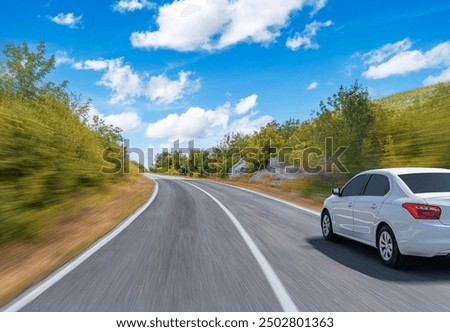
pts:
[33, 293]
[299, 207]
[305, 209]
[275, 283]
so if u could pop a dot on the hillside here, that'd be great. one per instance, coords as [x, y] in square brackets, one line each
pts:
[403, 100]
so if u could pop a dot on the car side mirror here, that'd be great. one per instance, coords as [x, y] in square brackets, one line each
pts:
[336, 191]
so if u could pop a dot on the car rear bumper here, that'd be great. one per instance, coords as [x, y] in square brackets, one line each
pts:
[426, 238]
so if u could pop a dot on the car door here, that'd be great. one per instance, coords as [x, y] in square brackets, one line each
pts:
[342, 212]
[366, 206]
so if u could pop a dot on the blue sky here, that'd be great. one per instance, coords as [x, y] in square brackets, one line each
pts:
[197, 69]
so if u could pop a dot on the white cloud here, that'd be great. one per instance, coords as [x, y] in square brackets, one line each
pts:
[317, 5]
[198, 123]
[401, 64]
[247, 125]
[126, 85]
[62, 58]
[443, 77]
[125, 121]
[96, 65]
[306, 39]
[68, 19]
[162, 90]
[187, 25]
[194, 123]
[386, 51]
[246, 104]
[313, 85]
[123, 6]
[257, 21]
[406, 61]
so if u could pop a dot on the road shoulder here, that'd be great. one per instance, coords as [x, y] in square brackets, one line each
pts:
[86, 219]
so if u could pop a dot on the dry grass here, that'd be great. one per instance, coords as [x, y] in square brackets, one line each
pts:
[287, 190]
[77, 225]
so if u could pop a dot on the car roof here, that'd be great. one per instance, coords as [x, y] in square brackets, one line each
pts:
[408, 170]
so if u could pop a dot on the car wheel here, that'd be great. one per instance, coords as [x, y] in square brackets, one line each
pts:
[387, 247]
[327, 227]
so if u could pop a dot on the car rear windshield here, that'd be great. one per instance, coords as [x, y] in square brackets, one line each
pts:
[427, 182]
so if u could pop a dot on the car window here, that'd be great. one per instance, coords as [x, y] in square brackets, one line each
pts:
[427, 182]
[355, 186]
[378, 185]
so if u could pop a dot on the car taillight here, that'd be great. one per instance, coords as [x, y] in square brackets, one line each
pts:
[423, 211]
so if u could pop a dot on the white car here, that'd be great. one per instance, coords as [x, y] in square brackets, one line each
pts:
[400, 211]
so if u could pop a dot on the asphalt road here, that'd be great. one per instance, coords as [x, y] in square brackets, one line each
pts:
[203, 246]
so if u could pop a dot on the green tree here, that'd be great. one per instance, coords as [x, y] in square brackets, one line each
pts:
[176, 160]
[108, 134]
[25, 71]
[356, 118]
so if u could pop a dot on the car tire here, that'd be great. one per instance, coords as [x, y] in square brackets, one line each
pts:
[327, 227]
[387, 247]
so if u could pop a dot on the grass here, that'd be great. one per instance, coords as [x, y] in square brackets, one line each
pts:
[78, 223]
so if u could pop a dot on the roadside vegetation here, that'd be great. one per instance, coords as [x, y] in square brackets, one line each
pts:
[55, 200]
[49, 149]
[405, 129]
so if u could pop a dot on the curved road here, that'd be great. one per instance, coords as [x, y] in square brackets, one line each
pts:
[204, 246]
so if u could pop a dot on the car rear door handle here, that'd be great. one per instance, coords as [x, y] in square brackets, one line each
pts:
[373, 206]
[350, 204]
